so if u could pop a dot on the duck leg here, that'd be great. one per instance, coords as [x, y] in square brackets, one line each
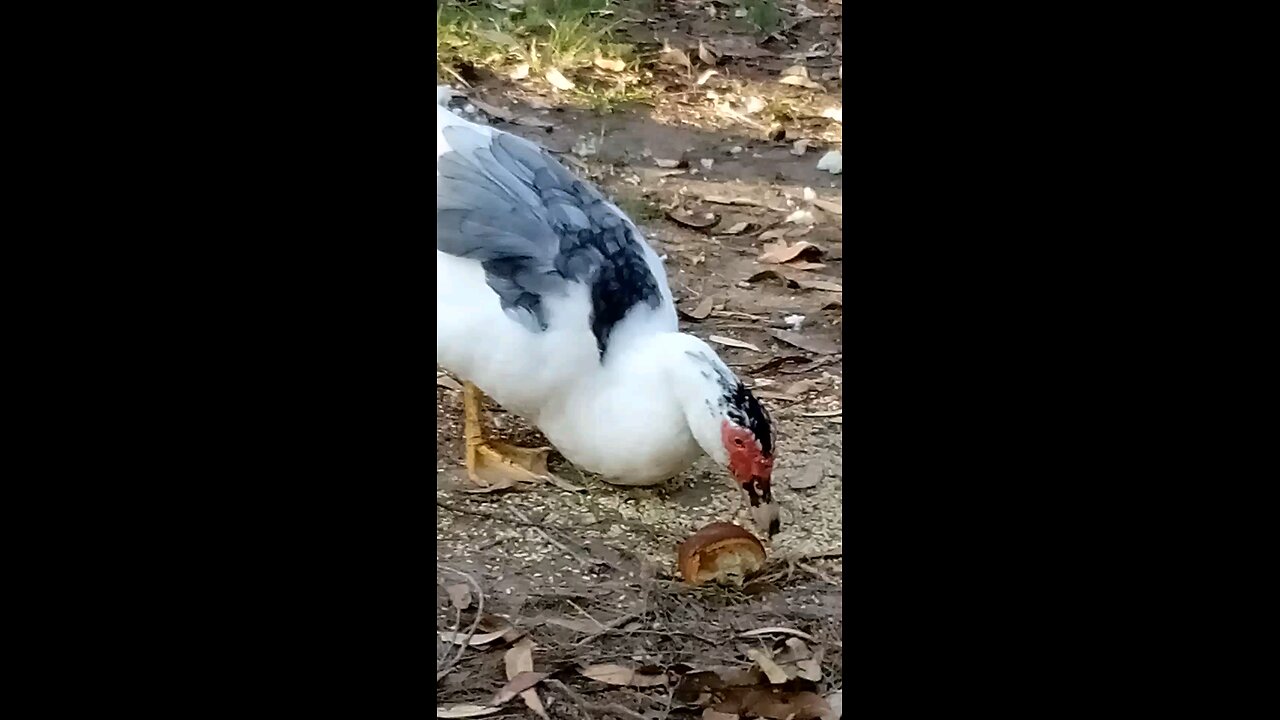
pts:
[489, 461]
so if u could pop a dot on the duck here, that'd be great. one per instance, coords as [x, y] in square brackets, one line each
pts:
[551, 302]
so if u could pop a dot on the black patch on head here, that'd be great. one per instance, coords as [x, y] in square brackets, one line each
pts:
[747, 411]
[535, 227]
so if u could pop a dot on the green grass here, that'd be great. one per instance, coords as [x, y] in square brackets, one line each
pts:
[764, 14]
[563, 34]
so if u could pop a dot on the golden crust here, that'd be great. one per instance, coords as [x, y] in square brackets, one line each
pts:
[718, 551]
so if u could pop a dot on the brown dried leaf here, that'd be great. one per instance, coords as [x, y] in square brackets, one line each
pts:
[460, 595]
[610, 65]
[665, 163]
[465, 711]
[558, 80]
[497, 485]
[672, 56]
[813, 345]
[730, 342]
[779, 252]
[801, 146]
[518, 684]
[776, 675]
[810, 669]
[775, 234]
[562, 483]
[705, 54]
[735, 229]
[796, 71]
[519, 659]
[703, 309]
[704, 76]
[765, 274]
[621, 675]
[492, 111]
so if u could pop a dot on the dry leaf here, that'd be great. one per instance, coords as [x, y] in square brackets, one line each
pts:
[797, 649]
[558, 80]
[621, 675]
[735, 229]
[776, 675]
[810, 669]
[800, 217]
[807, 478]
[705, 55]
[445, 381]
[478, 639]
[763, 274]
[610, 65]
[704, 76]
[672, 56]
[828, 206]
[800, 147]
[730, 342]
[778, 631]
[460, 595]
[518, 684]
[703, 309]
[819, 285]
[520, 72]
[800, 81]
[665, 163]
[836, 702]
[814, 345]
[779, 252]
[519, 659]
[833, 113]
[701, 221]
[832, 162]
[721, 200]
[465, 711]
[496, 112]
[796, 71]
[774, 234]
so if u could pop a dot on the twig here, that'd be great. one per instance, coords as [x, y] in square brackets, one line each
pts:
[612, 624]
[450, 664]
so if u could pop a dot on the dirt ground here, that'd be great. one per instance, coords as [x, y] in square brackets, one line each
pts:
[589, 578]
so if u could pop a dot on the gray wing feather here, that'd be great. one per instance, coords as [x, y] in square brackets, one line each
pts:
[534, 227]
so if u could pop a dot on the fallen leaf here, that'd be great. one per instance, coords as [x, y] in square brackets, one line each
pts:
[498, 485]
[800, 147]
[819, 285]
[705, 55]
[519, 72]
[764, 274]
[445, 381]
[776, 675]
[496, 112]
[701, 221]
[778, 631]
[665, 163]
[730, 342]
[797, 650]
[610, 65]
[832, 162]
[800, 217]
[465, 711]
[774, 234]
[672, 56]
[800, 81]
[779, 252]
[519, 659]
[814, 345]
[772, 395]
[834, 113]
[754, 104]
[823, 413]
[795, 71]
[836, 702]
[829, 206]
[809, 477]
[735, 229]
[721, 200]
[518, 684]
[704, 76]
[801, 387]
[460, 595]
[558, 80]
[457, 638]
[703, 309]
[810, 669]
[621, 675]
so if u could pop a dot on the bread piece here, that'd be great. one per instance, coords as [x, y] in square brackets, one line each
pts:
[720, 552]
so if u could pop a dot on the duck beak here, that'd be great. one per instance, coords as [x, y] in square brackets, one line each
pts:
[764, 511]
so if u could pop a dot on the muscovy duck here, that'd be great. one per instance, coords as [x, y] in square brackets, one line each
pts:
[549, 298]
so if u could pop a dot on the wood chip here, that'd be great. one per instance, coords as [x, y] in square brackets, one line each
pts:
[730, 342]
[812, 344]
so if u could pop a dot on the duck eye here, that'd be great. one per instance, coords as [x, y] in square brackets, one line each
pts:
[737, 441]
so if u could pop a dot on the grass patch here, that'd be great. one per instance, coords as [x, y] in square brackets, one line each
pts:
[764, 14]
[567, 35]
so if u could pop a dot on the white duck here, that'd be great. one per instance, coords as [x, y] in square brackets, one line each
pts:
[549, 299]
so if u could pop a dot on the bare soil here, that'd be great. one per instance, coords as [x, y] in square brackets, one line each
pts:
[590, 576]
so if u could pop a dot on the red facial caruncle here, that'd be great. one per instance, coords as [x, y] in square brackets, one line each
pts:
[747, 461]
